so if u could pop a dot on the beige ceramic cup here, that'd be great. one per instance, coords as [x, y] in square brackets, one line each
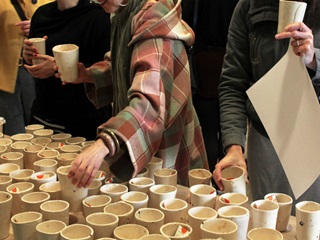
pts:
[136, 199]
[166, 176]
[60, 137]
[77, 231]
[5, 213]
[32, 201]
[55, 145]
[67, 58]
[264, 234]
[151, 218]
[196, 215]
[55, 210]
[33, 127]
[19, 146]
[30, 155]
[40, 45]
[71, 149]
[175, 210]
[75, 141]
[94, 187]
[199, 176]
[65, 159]
[22, 137]
[5, 181]
[52, 188]
[24, 225]
[41, 141]
[234, 180]
[7, 143]
[114, 190]
[160, 192]
[3, 149]
[46, 164]
[7, 168]
[123, 210]
[103, 224]
[285, 204]
[154, 164]
[38, 178]
[264, 214]
[94, 203]
[130, 231]
[155, 237]
[234, 199]
[13, 157]
[43, 133]
[175, 230]
[141, 184]
[203, 195]
[21, 175]
[50, 230]
[219, 228]
[18, 190]
[308, 220]
[48, 153]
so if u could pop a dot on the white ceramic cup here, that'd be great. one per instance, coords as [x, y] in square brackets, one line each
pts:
[234, 180]
[55, 210]
[77, 231]
[94, 203]
[5, 213]
[290, 12]
[160, 192]
[130, 231]
[166, 176]
[38, 178]
[239, 215]
[123, 210]
[175, 230]
[151, 218]
[308, 220]
[203, 195]
[175, 210]
[264, 214]
[219, 228]
[32, 201]
[50, 230]
[154, 164]
[67, 58]
[24, 225]
[196, 215]
[264, 234]
[40, 45]
[199, 176]
[141, 184]
[103, 224]
[285, 204]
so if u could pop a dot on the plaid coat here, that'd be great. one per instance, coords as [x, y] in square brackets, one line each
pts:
[160, 119]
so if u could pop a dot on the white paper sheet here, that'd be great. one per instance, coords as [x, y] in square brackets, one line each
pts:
[287, 105]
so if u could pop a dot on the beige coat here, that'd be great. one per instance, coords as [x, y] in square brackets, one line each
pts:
[11, 40]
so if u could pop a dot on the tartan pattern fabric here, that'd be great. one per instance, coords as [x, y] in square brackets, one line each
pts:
[160, 119]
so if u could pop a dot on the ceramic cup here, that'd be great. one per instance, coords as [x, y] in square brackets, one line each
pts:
[199, 176]
[7, 168]
[136, 199]
[264, 234]
[48, 153]
[71, 149]
[264, 213]
[38, 178]
[46, 164]
[160, 192]
[3, 149]
[114, 190]
[40, 45]
[175, 210]
[65, 159]
[19, 146]
[308, 220]
[22, 137]
[155, 237]
[234, 199]
[196, 215]
[239, 215]
[21, 175]
[75, 141]
[33, 127]
[176, 230]
[18, 190]
[141, 184]
[70, 192]
[43, 133]
[5, 213]
[166, 176]
[32, 201]
[94, 187]
[52, 188]
[151, 218]
[30, 155]
[234, 180]
[24, 225]
[123, 210]
[7, 143]
[55, 145]
[154, 164]
[50, 230]
[103, 224]
[60, 137]
[5, 181]
[203, 195]
[43, 141]
[94, 203]
[290, 12]
[55, 210]
[77, 231]
[219, 228]
[130, 231]
[13, 157]
[285, 204]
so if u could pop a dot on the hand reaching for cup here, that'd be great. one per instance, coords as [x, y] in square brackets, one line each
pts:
[302, 42]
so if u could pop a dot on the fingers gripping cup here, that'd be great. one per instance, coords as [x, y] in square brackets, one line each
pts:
[67, 58]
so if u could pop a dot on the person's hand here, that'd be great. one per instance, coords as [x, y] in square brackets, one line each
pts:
[25, 27]
[44, 69]
[29, 51]
[302, 42]
[87, 164]
[234, 157]
[84, 75]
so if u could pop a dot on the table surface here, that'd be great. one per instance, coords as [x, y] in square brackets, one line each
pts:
[183, 193]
